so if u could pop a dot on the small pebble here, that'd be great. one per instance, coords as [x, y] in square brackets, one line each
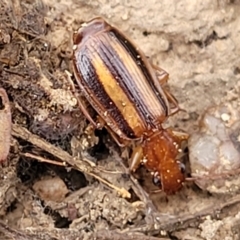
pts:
[215, 150]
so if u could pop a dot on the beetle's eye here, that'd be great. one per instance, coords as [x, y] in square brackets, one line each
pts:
[156, 181]
[182, 167]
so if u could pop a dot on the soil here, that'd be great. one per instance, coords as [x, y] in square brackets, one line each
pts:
[61, 180]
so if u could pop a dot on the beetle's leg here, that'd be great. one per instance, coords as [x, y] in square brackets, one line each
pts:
[80, 104]
[175, 107]
[120, 141]
[162, 75]
[87, 115]
[163, 79]
[136, 158]
[180, 135]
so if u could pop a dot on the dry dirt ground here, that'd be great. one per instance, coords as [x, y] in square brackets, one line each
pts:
[196, 41]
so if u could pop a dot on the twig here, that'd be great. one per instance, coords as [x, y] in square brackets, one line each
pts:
[23, 133]
[41, 159]
[214, 176]
[40, 233]
[114, 235]
[12, 233]
[182, 222]
[79, 164]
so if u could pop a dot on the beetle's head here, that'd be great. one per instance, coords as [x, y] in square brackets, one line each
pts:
[162, 152]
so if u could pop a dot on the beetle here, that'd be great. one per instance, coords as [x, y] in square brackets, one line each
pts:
[129, 96]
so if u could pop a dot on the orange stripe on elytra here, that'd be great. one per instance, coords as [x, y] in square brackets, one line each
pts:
[118, 96]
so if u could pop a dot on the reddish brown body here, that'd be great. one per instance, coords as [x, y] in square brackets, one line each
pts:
[127, 93]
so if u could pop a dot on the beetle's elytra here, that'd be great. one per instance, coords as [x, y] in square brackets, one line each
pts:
[127, 92]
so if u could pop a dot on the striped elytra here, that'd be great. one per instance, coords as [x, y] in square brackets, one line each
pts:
[126, 92]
